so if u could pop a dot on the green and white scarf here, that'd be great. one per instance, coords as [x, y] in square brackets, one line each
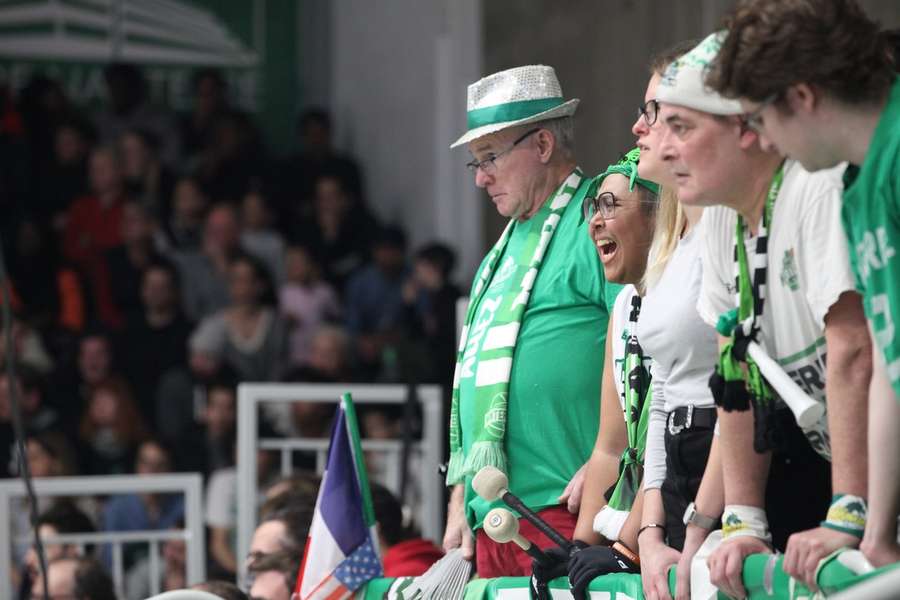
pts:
[637, 417]
[733, 387]
[493, 361]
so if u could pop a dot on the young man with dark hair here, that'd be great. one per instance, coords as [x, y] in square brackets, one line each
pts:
[817, 79]
[274, 576]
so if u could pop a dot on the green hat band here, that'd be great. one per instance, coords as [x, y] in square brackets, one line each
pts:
[627, 167]
[511, 111]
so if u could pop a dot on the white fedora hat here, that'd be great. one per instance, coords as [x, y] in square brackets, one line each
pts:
[514, 97]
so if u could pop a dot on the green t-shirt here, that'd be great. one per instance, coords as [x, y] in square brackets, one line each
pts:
[871, 216]
[554, 392]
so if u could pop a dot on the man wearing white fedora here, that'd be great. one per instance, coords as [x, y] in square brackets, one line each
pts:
[527, 383]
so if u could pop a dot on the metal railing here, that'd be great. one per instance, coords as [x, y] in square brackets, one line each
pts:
[428, 451]
[190, 485]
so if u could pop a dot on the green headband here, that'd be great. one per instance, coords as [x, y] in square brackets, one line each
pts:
[628, 167]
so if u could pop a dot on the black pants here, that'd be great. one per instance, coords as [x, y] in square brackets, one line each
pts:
[798, 491]
[686, 456]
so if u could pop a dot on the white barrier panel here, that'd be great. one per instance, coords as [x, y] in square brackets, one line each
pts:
[426, 453]
[190, 485]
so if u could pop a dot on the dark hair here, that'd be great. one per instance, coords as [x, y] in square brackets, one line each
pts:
[222, 589]
[261, 272]
[58, 447]
[439, 255]
[297, 519]
[390, 236]
[167, 267]
[28, 377]
[92, 582]
[65, 517]
[389, 514]
[773, 44]
[285, 562]
[314, 115]
[664, 58]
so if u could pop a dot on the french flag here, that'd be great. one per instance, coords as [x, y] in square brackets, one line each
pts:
[342, 550]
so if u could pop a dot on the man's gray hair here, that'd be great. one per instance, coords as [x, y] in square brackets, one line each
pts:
[563, 130]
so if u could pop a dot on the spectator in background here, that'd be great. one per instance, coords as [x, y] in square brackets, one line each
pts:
[284, 530]
[147, 180]
[37, 416]
[73, 384]
[306, 302]
[184, 227]
[62, 518]
[338, 232]
[129, 108]
[248, 335]
[318, 157]
[45, 290]
[403, 552]
[329, 358]
[64, 178]
[155, 338]
[75, 578]
[94, 222]
[430, 298]
[209, 445]
[121, 269]
[204, 274]
[234, 158]
[210, 103]
[144, 512]
[43, 106]
[274, 576]
[259, 237]
[374, 298]
[172, 574]
[111, 429]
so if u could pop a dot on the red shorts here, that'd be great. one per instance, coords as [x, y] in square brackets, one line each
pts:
[508, 560]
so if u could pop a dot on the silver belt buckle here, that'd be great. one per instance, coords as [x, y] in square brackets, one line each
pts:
[676, 429]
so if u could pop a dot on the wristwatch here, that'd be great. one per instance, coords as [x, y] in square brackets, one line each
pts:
[692, 517]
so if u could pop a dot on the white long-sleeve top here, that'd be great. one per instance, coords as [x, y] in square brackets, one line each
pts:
[683, 347]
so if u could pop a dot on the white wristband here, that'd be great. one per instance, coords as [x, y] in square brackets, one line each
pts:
[609, 522]
[739, 520]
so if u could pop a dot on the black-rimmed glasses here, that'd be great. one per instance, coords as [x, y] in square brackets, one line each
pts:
[649, 110]
[606, 204]
[488, 166]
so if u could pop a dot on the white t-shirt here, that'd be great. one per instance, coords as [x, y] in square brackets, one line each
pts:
[683, 346]
[808, 269]
[620, 330]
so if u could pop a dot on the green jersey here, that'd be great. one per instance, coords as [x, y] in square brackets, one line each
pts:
[871, 217]
[554, 390]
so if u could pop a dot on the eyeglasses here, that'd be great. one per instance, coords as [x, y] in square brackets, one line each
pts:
[488, 166]
[753, 120]
[649, 110]
[606, 204]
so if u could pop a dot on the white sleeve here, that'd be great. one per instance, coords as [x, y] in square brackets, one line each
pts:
[717, 248]
[823, 253]
[220, 493]
[655, 453]
[210, 336]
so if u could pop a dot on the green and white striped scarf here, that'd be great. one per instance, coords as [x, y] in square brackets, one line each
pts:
[493, 361]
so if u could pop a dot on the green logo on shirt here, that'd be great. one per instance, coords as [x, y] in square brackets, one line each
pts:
[789, 270]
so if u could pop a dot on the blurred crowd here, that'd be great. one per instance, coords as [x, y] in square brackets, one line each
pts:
[156, 260]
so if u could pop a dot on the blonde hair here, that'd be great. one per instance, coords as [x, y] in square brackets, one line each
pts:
[670, 223]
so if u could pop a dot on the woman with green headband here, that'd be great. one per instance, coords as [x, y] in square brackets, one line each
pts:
[621, 209]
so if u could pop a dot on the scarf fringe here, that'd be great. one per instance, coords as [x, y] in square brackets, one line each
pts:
[455, 472]
[483, 454]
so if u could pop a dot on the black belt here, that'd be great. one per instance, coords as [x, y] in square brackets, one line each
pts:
[687, 417]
